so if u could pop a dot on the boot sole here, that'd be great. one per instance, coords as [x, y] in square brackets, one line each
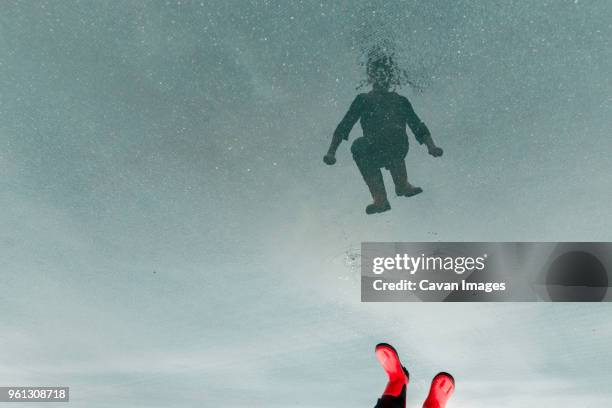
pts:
[370, 209]
[413, 192]
[445, 374]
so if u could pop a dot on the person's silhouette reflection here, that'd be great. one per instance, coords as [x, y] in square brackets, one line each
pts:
[384, 115]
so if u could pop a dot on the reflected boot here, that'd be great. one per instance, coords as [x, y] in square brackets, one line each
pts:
[442, 387]
[394, 395]
[400, 179]
[379, 194]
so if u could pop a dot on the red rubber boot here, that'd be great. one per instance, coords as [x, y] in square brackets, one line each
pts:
[398, 375]
[442, 387]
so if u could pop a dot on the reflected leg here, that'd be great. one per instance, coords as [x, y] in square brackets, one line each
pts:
[400, 179]
[364, 158]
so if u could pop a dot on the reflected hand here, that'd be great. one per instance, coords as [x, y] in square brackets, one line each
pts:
[329, 159]
[435, 151]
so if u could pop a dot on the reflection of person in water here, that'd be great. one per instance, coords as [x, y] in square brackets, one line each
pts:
[394, 396]
[384, 115]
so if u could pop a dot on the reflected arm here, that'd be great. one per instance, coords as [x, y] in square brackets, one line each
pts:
[346, 124]
[420, 130]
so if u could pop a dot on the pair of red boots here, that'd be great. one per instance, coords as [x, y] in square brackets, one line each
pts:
[442, 385]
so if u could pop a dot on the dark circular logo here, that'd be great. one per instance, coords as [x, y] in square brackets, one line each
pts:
[577, 276]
